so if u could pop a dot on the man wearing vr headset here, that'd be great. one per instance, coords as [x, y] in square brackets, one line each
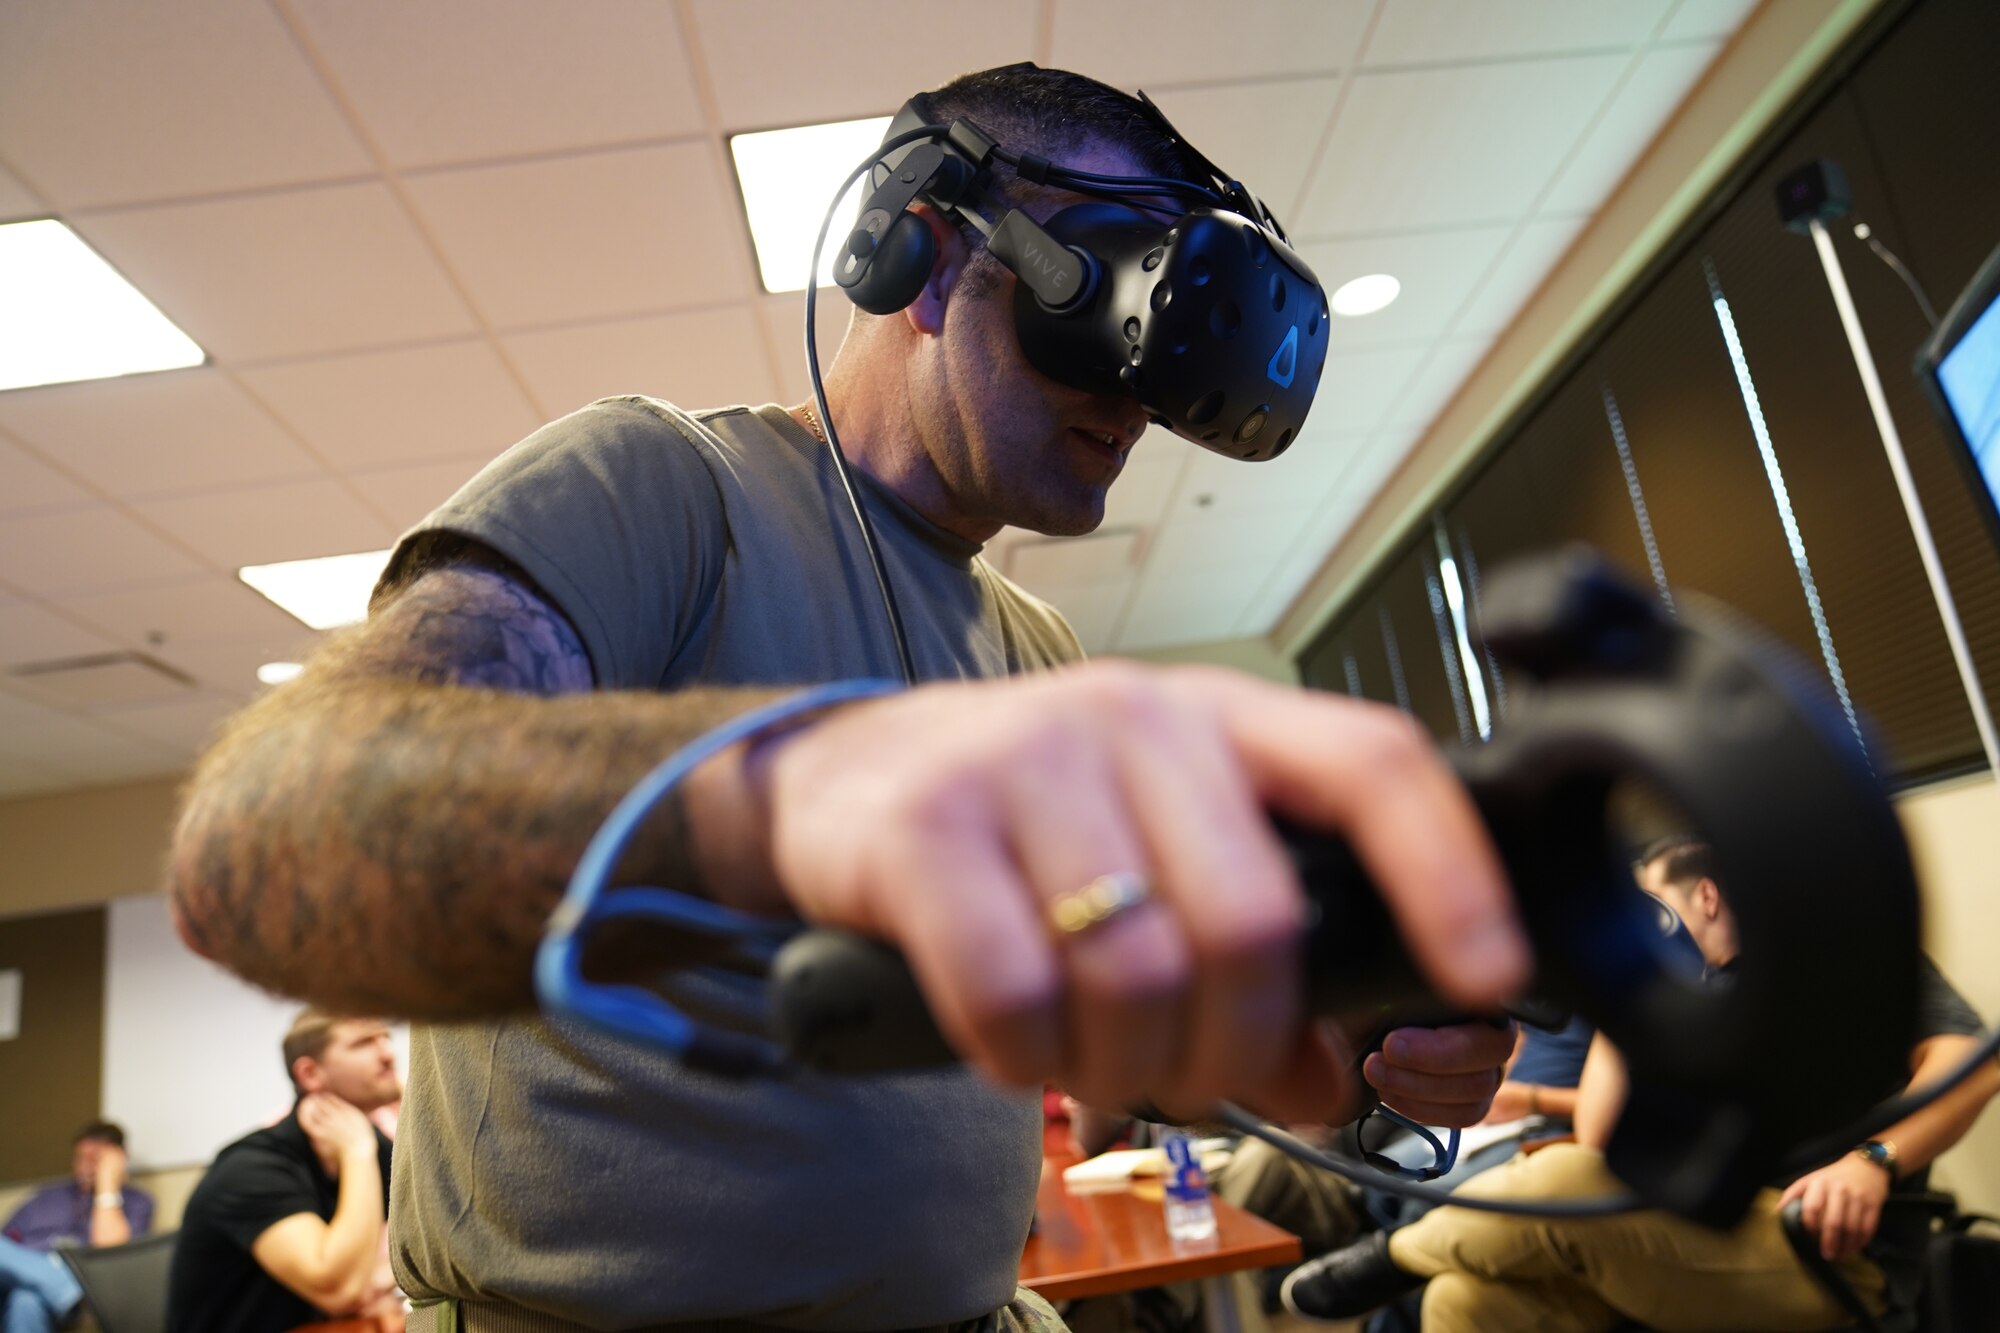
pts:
[1077, 862]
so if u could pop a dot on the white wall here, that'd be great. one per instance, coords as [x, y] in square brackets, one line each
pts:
[191, 1054]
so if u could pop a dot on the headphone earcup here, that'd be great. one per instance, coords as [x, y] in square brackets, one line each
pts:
[898, 269]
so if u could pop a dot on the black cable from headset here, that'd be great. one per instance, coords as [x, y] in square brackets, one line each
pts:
[1826, 1148]
[904, 662]
[1239, 1119]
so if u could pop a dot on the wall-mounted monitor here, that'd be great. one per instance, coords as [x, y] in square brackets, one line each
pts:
[1960, 370]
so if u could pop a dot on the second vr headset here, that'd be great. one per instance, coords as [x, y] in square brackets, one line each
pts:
[1185, 295]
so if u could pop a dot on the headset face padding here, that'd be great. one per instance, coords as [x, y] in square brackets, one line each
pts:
[897, 270]
[1215, 326]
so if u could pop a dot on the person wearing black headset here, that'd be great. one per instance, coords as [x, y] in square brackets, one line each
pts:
[1076, 859]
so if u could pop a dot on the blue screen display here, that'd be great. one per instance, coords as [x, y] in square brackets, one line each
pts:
[1970, 378]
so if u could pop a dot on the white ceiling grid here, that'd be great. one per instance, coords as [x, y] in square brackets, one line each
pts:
[407, 234]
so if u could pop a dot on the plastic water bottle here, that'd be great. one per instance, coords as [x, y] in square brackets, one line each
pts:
[1190, 1215]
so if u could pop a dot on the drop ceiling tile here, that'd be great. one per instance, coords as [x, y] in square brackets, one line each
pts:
[409, 405]
[1706, 18]
[106, 756]
[1436, 270]
[1519, 272]
[1242, 539]
[263, 524]
[408, 494]
[30, 632]
[1433, 385]
[172, 432]
[1140, 495]
[231, 668]
[794, 62]
[459, 80]
[707, 358]
[81, 550]
[1108, 555]
[1412, 32]
[1217, 486]
[1190, 606]
[1359, 390]
[75, 746]
[1436, 148]
[1638, 112]
[1187, 41]
[26, 482]
[783, 321]
[211, 608]
[105, 102]
[186, 725]
[17, 200]
[589, 235]
[299, 273]
[1263, 134]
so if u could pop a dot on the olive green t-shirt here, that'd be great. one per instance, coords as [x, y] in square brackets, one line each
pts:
[547, 1165]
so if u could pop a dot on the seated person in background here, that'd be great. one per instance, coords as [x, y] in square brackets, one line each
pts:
[1495, 1273]
[96, 1206]
[285, 1228]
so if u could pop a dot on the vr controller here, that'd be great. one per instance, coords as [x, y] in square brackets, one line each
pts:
[1814, 1027]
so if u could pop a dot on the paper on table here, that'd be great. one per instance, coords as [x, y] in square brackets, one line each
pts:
[1113, 1171]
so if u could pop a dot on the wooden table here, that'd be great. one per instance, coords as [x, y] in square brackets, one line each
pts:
[1097, 1244]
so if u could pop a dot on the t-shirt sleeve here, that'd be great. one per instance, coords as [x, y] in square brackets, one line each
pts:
[613, 512]
[1941, 1010]
[255, 1190]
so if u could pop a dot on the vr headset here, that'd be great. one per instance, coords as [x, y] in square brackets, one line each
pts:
[1185, 295]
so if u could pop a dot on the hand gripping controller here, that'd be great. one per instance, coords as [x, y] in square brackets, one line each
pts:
[1606, 686]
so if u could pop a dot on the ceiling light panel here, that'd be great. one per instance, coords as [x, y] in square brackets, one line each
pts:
[788, 177]
[66, 315]
[326, 592]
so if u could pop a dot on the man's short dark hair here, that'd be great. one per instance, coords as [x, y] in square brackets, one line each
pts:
[1057, 114]
[1689, 859]
[100, 1131]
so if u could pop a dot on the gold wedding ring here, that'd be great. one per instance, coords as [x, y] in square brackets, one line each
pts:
[1097, 902]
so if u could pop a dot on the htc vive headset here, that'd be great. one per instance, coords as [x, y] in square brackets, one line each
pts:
[1185, 295]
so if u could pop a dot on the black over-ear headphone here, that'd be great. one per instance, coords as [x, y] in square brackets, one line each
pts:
[1183, 294]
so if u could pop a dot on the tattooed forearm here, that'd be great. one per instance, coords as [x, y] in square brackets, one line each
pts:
[389, 833]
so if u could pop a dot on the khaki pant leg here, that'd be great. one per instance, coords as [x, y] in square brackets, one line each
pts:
[1318, 1207]
[1650, 1266]
[1462, 1303]
[1447, 1239]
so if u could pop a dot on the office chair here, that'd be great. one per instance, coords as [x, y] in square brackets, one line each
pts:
[125, 1286]
[1901, 1316]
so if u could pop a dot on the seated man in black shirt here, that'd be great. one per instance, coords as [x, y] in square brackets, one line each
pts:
[286, 1227]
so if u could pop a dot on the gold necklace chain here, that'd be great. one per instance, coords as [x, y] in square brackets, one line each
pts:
[812, 423]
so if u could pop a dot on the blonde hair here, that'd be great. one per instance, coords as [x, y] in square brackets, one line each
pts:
[307, 1038]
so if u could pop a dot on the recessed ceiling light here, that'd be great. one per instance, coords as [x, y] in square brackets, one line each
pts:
[277, 673]
[326, 592]
[788, 177]
[67, 315]
[1366, 295]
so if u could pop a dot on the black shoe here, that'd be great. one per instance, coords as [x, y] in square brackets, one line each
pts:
[1354, 1280]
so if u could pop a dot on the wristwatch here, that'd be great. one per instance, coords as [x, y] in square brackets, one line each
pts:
[1881, 1152]
[108, 1199]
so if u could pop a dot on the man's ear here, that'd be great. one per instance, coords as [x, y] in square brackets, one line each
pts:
[306, 1075]
[926, 313]
[1708, 897]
